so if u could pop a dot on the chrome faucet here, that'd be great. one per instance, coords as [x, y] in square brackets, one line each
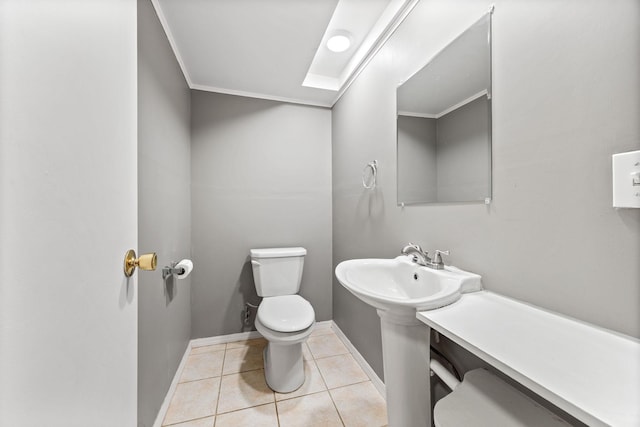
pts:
[421, 257]
[416, 253]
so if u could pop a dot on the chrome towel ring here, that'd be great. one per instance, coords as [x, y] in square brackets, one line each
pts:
[370, 175]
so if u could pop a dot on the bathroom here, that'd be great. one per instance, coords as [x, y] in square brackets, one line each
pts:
[105, 148]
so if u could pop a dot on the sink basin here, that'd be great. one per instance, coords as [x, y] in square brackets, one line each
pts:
[401, 285]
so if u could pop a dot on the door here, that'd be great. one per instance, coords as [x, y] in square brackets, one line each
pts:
[68, 213]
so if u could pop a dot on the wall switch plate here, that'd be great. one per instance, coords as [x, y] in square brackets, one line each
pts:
[626, 180]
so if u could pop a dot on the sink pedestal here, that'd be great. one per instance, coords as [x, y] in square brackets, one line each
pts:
[406, 353]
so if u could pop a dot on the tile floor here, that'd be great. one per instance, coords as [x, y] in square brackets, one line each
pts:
[223, 385]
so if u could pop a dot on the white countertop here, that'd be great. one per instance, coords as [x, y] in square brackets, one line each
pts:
[591, 373]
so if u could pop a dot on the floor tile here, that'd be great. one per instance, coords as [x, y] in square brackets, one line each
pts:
[195, 399]
[244, 358]
[201, 422]
[261, 342]
[243, 390]
[258, 416]
[208, 348]
[341, 370]
[360, 405]
[308, 411]
[326, 345]
[313, 383]
[323, 330]
[336, 392]
[203, 365]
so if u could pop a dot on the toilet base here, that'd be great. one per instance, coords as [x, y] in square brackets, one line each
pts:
[283, 363]
[284, 367]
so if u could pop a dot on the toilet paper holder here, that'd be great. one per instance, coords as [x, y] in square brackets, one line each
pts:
[170, 271]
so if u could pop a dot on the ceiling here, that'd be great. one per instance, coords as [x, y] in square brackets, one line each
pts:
[269, 48]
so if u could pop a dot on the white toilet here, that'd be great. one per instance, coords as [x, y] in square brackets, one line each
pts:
[284, 318]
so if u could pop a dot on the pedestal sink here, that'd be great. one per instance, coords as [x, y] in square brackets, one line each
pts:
[398, 288]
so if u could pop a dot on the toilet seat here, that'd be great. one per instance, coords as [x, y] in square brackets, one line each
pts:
[286, 313]
[283, 338]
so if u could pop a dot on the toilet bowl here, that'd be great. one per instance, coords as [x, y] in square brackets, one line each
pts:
[284, 318]
[291, 318]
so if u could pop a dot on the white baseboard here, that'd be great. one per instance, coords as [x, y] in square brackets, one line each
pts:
[172, 388]
[375, 379]
[243, 336]
[325, 324]
[222, 339]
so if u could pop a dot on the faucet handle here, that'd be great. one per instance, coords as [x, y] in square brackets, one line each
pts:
[437, 259]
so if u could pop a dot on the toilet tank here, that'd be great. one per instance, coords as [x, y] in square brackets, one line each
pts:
[277, 271]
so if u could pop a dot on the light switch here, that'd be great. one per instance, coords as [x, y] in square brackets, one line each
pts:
[626, 180]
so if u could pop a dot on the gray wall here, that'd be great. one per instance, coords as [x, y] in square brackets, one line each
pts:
[566, 96]
[417, 157]
[464, 153]
[261, 177]
[164, 198]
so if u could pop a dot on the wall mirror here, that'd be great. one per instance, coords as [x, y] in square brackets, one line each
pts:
[444, 124]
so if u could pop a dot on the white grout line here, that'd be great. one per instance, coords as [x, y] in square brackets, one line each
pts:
[215, 413]
[375, 379]
[243, 336]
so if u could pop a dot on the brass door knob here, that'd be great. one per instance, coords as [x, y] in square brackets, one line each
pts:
[146, 262]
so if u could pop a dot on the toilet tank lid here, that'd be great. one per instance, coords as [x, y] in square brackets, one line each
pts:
[277, 252]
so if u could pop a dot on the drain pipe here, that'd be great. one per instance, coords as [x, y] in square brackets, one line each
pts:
[443, 373]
